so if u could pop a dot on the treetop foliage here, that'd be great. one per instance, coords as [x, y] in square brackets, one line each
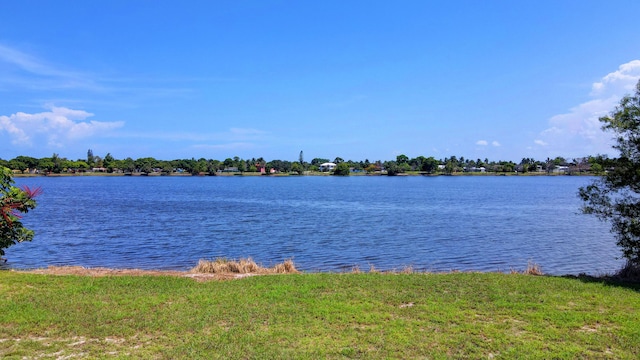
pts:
[615, 197]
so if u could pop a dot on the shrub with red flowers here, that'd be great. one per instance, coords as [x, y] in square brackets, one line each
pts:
[14, 201]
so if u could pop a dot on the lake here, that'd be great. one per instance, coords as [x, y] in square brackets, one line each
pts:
[442, 223]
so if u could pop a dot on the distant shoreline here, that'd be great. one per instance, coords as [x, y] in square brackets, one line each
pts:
[92, 174]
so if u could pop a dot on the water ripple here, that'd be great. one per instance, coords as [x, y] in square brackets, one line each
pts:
[323, 223]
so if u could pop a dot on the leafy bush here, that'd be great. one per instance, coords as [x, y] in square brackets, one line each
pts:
[342, 169]
[13, 201]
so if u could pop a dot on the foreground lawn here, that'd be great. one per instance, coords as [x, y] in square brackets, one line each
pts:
[318, 316]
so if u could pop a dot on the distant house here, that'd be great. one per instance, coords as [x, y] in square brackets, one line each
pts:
[231, 169]
[328, 166]
[260, 168]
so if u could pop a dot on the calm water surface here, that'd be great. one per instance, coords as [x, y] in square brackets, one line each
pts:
[323, 223]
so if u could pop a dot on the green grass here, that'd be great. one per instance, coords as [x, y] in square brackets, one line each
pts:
[459, 315]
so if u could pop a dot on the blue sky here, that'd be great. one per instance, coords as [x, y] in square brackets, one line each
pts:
[354, 79]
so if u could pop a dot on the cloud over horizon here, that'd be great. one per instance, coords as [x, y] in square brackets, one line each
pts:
[56, 127]
[486, 143]
[578, 132]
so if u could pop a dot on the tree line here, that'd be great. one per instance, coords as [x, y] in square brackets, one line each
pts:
[402, 164]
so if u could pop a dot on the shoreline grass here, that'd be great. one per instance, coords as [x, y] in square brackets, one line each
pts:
[319, 315]
[242, 266]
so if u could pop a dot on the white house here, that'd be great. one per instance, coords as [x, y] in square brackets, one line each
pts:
[329, 166]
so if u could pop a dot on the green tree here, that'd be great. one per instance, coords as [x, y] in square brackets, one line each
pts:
[90, 158]
[69, 165]
[559, 160]
[430, 164]
[615, 197]
[282, 166]
[342, 169]
[129, 165]
[297, 168]
[392, 168]
[549, 165]
[370, 168]
[416, 163]
[213, 166]
[32, 163]
[57, 163]
[449, 167]
[45, 164]
[200, 167]
[596, 164]
[108, 162]
[17, 165]
[13, 201]
[146, 165]
[167, 167]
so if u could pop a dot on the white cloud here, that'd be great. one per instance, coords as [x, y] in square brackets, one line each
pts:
[55, 127]
[578, 132]
[485, 143]
[625, 77]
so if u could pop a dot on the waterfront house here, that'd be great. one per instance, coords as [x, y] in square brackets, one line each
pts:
[328, 166]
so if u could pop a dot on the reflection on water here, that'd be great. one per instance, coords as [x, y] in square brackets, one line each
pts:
[324, 223]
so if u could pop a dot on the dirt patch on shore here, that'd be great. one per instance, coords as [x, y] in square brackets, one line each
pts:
[100, 272]
[218, 269]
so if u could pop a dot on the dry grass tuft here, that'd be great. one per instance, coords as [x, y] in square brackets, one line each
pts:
[287, 267]
[533, 269]
[242, 266]
[407, 270]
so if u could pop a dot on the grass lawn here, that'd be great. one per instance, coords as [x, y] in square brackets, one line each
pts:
[458, 315]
